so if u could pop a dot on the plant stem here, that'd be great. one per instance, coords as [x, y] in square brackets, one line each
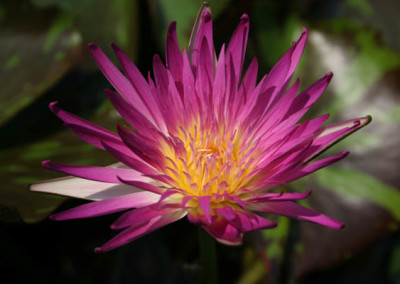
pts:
[208, 257]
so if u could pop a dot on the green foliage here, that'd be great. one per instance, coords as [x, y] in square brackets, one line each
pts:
[356, 185]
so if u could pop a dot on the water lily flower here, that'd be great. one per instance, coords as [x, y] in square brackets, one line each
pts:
[201, 141]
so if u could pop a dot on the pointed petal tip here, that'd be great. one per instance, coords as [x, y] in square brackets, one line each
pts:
[92, 46]
[328, 76]
[45, 163]
[305, 30]
[109, 92]
[245, 18]
[116, 48]
[171, 28]
[52, 105]
[336, 225]
[344, 153]
[98, 249]
[273, 225]
[206, 16]
[53, 217]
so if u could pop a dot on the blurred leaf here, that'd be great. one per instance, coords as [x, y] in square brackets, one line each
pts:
[20, 166]
[382, 15]
[35, 54]
[274, 34]
[357, 189]
[394, 266]
[355, 185]
[350, 51]
[102, 23]
[276, 239]
[254, 271]
[184, 13]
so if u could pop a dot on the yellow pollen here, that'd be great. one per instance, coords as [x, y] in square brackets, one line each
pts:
[209, 160]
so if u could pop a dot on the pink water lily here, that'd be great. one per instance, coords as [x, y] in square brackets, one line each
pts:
[202, 141]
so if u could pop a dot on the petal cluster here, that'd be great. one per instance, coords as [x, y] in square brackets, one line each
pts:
[202, 141]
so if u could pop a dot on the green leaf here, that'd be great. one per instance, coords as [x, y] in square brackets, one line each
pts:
[30, 55]
[184, 13]
[20, 166]
[355, 185]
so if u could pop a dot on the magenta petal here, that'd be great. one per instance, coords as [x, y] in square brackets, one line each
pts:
[119, 81]
[135, 232]
[224, 232]
[173, 55]
[128, 159]
[82, 188]
[141, 86]
[255, 222]
[204, 202]
[145, 148]
[283, 70]
[201, 29]
[102, 174]
[237, 45]
[108, 206]
[295, 211]
[244, 221]
[333, 133]
[306, 99]
[86, 130]
[311, 167]
[264, 197]
[140, 215]
[143, 185]
[131, 114]
[249, 80]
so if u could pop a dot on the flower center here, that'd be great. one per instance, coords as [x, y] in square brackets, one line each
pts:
[203, 161]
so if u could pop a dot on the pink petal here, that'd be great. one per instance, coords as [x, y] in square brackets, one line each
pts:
[237, 46]
[266, 197]
[143, 185]
[247, 86]
[140, 215]
[333, 133]
[141, 86]
[224, 232]
[119, 81]
[189, 93]
[108, 206]
[83, 188]
[293, 210]
[310, 168]
[205, 75]
[173, 55]
[131, 114]
[147, 149]
[306, 99]
[110, 175]
[219, 84]
[204, 202]
[283, 70]
[128, 159]
[135, 232]
[86, 130]
[244, 221]
[201, 29]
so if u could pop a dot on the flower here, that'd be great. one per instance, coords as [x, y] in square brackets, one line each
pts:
[201, 142]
